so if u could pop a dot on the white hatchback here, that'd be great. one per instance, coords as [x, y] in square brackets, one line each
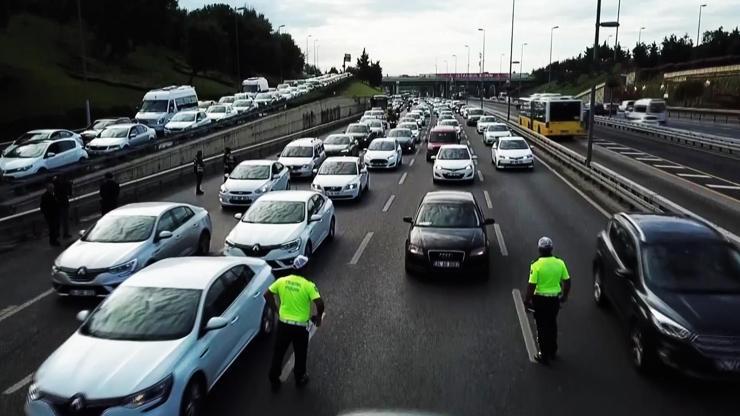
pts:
[40, 156]
[251, 179]
[512, 152]
[121, 137]
[384, 154]
[454, 163]
[342, 177]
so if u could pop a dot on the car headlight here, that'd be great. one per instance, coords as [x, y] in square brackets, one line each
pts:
[344, 151]
[529, 156]
[437, 167]
[391, 157]
[151, 396]
[54, 268]
[315, 187]
[668, 326]
[478, 251]
[160, 121]
[262, 190]
[292, 245]
[127, 267]
[224, 189]
[414, 249]
[351, 186]
[304, 167]
[469, 167]
[24, 168]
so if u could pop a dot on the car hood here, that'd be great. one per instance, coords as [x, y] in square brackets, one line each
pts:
[379, 154]
[264, 234]
[357, 135]
[335, 180]
[8, 163]
[217, 116]
[335, 147]
[90, 133]
[446, 238]
[497, 134]
[404, 139]
[242, 185]
[98, 255]
[453, 164]
[149, 116]
[107, 141]
[105, 368]
[514, 152]
[295, 161]
[178, 124]
[704, 313]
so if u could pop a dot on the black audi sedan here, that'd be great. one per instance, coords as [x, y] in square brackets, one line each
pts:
[448, 235]
[675, 282]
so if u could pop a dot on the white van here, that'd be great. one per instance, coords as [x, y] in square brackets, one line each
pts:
[160, 105]
[254, 86]
[649, 107]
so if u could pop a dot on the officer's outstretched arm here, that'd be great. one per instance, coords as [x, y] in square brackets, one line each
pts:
[270, 298]
[319, 311]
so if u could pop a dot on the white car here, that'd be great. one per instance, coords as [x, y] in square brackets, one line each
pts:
[243, 106]
[126, 240]
[40, 156]
[227, 99]
[98, 126]
[414, 129]
[483, 123]
[282, 225]
[342, 177]
[218, 112]
[186, 120]
[453, 162]
[512, 152]
[121, 137]
[647, 121]
[302, 156]
[383, 154]
[204, 105]
[159, 343]
[45, 134]
[452, 123]
[494, 131]
[252, 178]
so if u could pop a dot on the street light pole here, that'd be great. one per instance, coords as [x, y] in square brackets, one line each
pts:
[84, 64]
[482, 65]
[511, 56]
[308, 55]
[639, 35]
[236, 38]
[447, 72]
[616, 35]
[549, 67]
[698, 27]
[314, 52]
[521, 68]
[455, 73]
[280, 52]
[467, 75]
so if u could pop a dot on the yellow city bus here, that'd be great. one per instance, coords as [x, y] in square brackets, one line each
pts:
[552, 115]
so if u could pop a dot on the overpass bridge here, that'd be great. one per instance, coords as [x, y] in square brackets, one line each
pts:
[445, 84]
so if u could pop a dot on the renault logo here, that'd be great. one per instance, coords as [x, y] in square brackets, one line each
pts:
[81, 271]
[256, 248]
[78, 403]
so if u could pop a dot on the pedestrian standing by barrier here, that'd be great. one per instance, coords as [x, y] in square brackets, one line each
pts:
[63, 192]
[50, 209]
[109, 191]
[199, 167]
[229, 162]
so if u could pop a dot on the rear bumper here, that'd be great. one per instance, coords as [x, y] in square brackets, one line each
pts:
[472, 267]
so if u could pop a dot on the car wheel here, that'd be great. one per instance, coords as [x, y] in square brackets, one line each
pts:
[598, 286]
[308, 250]
[204, 244]
[267, 323]
[640, 352]
[332, 230]
[193, 398]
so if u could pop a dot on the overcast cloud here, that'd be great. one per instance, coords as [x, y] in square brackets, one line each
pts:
[407, 36]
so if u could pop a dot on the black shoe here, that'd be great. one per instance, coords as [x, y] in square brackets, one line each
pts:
[300, 382]
[199, 192]
[541, 358]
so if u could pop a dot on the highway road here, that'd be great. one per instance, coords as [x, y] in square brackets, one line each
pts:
[394, 341]
[705, 126]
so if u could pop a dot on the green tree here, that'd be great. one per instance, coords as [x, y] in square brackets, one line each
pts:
[204, 46]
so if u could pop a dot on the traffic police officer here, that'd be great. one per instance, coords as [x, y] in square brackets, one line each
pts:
[549, 285]
[296, 294]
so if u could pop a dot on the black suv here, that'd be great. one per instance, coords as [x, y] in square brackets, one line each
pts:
[675, 282]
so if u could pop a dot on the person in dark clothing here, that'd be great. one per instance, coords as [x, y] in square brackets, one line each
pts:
[63, 192]
[109, 191]
[199, 167]
[229, 162]
[50, 210]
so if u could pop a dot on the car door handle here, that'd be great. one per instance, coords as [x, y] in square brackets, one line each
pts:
[234, 319]
[203, 354]
[256, 295]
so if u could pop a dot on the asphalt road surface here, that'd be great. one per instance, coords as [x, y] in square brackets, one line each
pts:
[390, 341]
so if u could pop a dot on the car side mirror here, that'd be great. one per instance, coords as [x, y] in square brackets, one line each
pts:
[489, 221]
[408, 220]
[493, 145]
[474, 157]
[275, 175]
[82, 233]
[315, 171]
[215, 323]
[50, 154]
[434, 157]
[238, 216]
[163, 235]
[315, 218]
[624, 273]
[82, 315]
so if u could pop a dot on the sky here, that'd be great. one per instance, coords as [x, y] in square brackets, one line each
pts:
[412, 36]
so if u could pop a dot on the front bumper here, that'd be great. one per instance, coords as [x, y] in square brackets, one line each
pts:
[9, 176]
[514, 164]
[58, 406]
[699, 358]
[102, 150]
[278, 258]
[471, 267]
[300, 171]
[339, 192]
[380, 164]
[237, 200]
[94, 282]
[453, 176]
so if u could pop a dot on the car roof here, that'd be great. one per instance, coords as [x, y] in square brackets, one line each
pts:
[297, 195]
[127, 125]
[454, 146]
[384, 139]
[659, 228]
[187, 272]
[145, 208]
[305, 141]
[448, 196]
[444, 129]
[257, 162]
[342, 159]
[46, 130]
[511, 138]
[337, 135]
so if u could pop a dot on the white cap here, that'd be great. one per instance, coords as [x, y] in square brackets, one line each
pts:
[299, 262]
[545, 243]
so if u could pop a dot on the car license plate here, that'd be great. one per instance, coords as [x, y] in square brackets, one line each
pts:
[239, 199]
[447, 264]
[82, 292]
[332, 193]
[729, 365]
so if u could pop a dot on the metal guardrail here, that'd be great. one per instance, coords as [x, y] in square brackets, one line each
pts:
[625, 190]
[687, 138]
[715, 115]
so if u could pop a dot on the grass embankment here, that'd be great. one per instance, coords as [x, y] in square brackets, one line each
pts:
[360, 89]
[583, 83]
[41, 77]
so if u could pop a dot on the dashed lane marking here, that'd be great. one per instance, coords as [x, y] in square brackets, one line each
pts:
[649, 159]
[632, 153]
[363, 244]
[288, 367]
[19, 385]
[388, 203]
[403, 178]
[693, 175]
[521, 313]
[489, 204]
[8, 312]
[715, 186]
[412, 162]
[670, 166]
[500, 238]
[573, 187]
[480, 175]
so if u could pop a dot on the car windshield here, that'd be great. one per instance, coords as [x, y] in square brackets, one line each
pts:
[121, 229]
[487, 119]
[226, 99]
[497, 127]
[410, 126]
[247, 172]
[276, 212]
[443, 137]
[447, 215]
[343, 140]
[184, 117]
[115, 132]
[381, 145]
[154, 106]
[242, 103]
[357, 128]
[101, 124]
[449, 123]
[217, 109]
[250, 88]
[338, 168]
[453, 154]
[475, 112]
[263, 96]
[513, 145]
[27, 137]
[29, 150]
[144, 314]
[297, 151]
[400, 133]
[693, 267]
[374, 123]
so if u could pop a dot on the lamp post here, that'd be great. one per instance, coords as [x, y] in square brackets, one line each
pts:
[511, 56]
[236, 38]
[306, 58]
[521, 67]
[639, 35]
[599, 24]
[280, 52]
[698, 27]
[314, 53]
[549, 67]
[616, 34]
[84, 64]
[447, 72]
[452, 78]
[482, 65]
[467, 75]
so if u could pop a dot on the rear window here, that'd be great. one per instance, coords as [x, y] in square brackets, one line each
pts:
[443, 137]
[565, 111]
[658, 107]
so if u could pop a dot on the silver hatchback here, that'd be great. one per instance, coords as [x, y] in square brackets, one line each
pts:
[126, 240]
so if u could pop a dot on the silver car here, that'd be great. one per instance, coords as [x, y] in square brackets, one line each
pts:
[128, 239]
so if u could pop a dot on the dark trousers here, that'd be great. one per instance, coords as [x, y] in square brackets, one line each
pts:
[107, 205]
[53, 224]
[64, 219]
[546, 317]
[198, 181]
[287, 335]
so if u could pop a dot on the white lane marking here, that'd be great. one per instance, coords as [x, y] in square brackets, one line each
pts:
[500, 238]
[617, 148]
[632, 153]
[16, 309]
[363, 244]
[388, 203]
[7, 309]
[711, 185]
[412, 162]
[403, 178]
[524, 325]
[649, 159]
[578, 191]
[693, 175]
[489, 204]
[669, 166]
[480, 175]
[288, 367]
[19, 385]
